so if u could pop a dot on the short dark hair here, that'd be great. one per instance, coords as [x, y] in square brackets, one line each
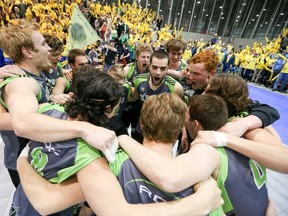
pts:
[159, 54]
[93, 90]
[53, 42]
[209, 110]
[73, 53]
[176, 45]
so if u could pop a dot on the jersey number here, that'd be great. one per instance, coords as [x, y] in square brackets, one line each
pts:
[259, 173]
[39, 160]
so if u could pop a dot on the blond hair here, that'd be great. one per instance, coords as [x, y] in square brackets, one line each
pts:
[143, 48]
[16, 36]
[116, 72]
[162, 117]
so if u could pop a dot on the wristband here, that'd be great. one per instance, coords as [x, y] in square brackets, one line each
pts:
[111, 152]
[109, 155]
[115, 145]
[220, 137]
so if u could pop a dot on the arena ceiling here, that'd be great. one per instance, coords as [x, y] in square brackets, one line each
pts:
[252, 19]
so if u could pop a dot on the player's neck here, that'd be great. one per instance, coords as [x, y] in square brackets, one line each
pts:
[29, 67]
[162, 148]
[174, 66]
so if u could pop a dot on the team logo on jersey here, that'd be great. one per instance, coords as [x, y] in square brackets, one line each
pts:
[143, 189]
[51, 149]
[259, 173]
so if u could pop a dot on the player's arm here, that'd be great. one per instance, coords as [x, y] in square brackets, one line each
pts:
[175, 74]
[172, 174]
[260, 115]
[101, 189]
[60, 86]
[67, 73]
[239, 127]
[272, 149]
[45, 197]
[26, 122]
[267, 114]
[263, 147]
[179, 90]
[49, 198]
[259, 145]
[58, 95]
[10, 70]
[5, 123]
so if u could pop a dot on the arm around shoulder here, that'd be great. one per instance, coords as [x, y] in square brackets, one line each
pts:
[179, 90]
[267, 114]
[108, 188]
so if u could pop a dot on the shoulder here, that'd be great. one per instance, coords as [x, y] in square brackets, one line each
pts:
[19, 83]
[142, 77]
[128, 68]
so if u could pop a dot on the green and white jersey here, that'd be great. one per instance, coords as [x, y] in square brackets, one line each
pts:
[243, 183]
[58, 161]
[136, 187]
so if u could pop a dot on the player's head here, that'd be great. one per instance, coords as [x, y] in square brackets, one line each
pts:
[205, 112]
[23, 42]
[201, 68]
[117, 73]
[175, 48]
[95, 96]
[162, 117]
[56, 46]
[77, 58]
[233, 89]
[143, 53]
[159, 62]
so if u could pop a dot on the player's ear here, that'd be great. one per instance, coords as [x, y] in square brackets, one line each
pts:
[197, 125]
[211, 74]
[27, 52]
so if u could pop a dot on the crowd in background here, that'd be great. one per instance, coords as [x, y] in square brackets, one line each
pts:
[146, 59]
[128, 25]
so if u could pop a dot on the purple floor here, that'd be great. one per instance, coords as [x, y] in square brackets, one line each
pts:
[276, 100]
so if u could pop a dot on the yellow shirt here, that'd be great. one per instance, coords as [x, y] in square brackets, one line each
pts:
[250, 62]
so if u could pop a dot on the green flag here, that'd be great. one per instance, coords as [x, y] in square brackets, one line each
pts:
[80, 33]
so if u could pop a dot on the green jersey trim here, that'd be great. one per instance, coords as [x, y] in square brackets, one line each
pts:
[131, 68]
[169, 81]
[128, 87]
[60, 66]
[222, 176]
[141, 78]
[48, 106]
[87, 156]
[67, 85]
[10, 79]
[121, 157]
